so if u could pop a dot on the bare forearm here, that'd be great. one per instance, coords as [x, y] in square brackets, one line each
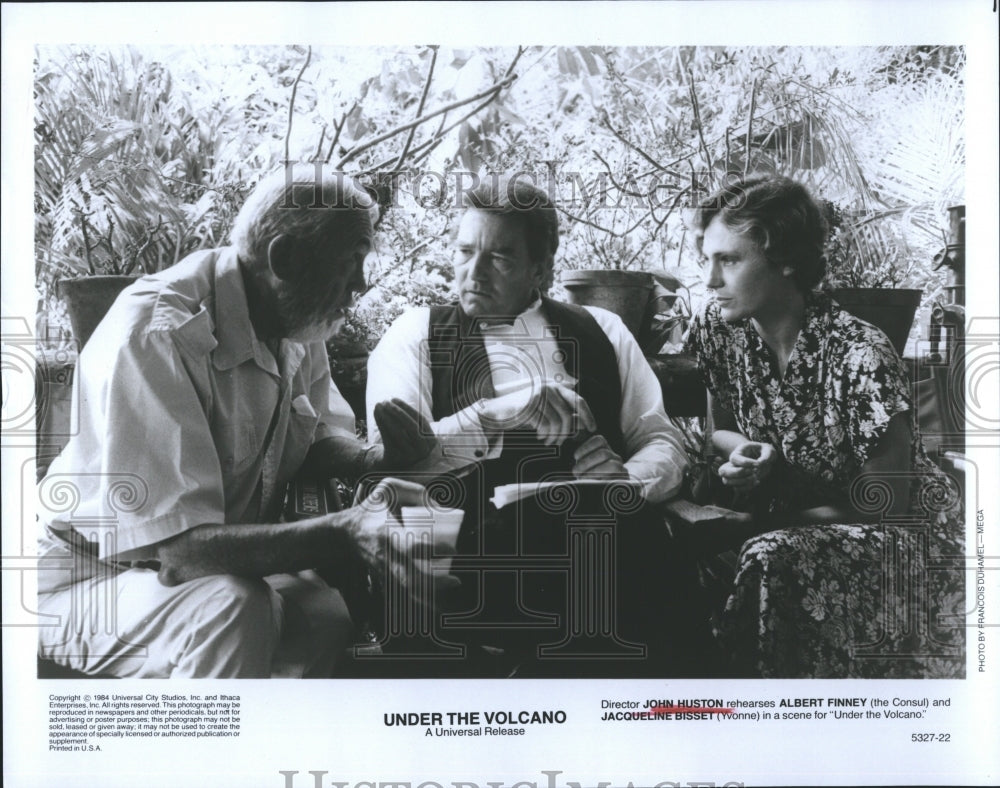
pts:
[255, 550]
[888, 467]
[726, 436]
[724, 442]
[837, 508]
[818, 515]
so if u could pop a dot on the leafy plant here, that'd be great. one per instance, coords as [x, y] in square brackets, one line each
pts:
[864, 251]
[144, 155]
[126, 165]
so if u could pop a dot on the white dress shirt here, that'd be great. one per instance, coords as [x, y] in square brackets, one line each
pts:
[525, 354]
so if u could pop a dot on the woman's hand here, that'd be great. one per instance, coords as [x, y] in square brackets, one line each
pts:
[749, 464]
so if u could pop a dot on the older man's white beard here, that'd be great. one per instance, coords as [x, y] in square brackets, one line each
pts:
[317, 332]
[305, 327]
[303, 322]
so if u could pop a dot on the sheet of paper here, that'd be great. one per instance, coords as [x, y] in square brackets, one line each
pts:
[693, 513]
[506, 494]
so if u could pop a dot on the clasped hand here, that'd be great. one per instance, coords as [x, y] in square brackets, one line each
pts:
[555, 412]
[595, 459]
[749, 464]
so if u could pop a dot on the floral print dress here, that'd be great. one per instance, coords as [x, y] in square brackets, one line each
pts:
[841, 600]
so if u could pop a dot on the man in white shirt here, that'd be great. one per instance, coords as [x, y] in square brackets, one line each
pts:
[520, 389]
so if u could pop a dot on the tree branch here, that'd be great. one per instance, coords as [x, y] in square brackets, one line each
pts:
[439, 135]
[659, 223]
[492, 92]
[420, 107]
[585, 222]
[606, 122]
[151, 233]
[697, 119]
[614, 182]
[291, 103]
[668, 167]
[646, 195]
[86, 241]
[109, 243]
[412, 253]
[426, 148]
[605, 230]
[337, 128]
[319, 146]
[749, 137]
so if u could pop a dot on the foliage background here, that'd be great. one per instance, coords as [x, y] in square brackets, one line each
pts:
[144, 155]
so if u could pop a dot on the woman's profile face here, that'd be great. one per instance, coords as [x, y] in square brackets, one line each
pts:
[741, 279]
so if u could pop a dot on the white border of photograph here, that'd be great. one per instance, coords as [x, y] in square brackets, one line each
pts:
[336, 728]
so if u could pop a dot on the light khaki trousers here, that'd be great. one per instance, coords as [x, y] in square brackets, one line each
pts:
[126, 624]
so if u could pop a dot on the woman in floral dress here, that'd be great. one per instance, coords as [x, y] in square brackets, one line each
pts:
[858, 569]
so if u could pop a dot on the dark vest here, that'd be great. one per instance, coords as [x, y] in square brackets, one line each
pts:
[460, 375]
[460, 369]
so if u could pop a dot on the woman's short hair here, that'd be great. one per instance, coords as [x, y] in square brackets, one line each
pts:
[779, 215]
[531, 207]
[308, 202]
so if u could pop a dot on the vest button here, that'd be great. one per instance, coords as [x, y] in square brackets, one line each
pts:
[479, 452]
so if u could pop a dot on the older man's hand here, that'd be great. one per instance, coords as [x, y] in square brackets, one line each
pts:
[377, 539]
[369, 520]
[407, 437]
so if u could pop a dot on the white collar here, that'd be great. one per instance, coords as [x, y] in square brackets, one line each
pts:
[519, 326]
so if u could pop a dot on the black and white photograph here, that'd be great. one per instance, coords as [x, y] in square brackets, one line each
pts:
[553, 397]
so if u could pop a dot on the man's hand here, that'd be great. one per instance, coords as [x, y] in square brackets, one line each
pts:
[596, 459]
[749, 464]
[379, 541]
[406, 435]
[380, 510]
[345, 543]
[553, 411]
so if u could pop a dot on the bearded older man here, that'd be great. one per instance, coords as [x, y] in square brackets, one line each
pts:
[204, 390]
[519, 388]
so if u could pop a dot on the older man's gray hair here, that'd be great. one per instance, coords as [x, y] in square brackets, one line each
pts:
[305, 201]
